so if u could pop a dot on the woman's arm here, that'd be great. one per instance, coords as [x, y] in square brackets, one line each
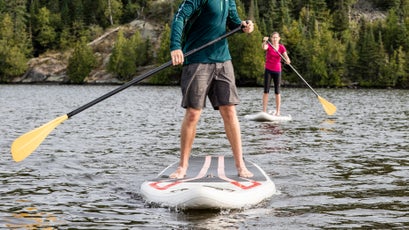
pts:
[287, 59]
[264, 45]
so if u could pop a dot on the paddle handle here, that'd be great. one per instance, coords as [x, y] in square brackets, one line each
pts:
[299, 75]
[147, 74]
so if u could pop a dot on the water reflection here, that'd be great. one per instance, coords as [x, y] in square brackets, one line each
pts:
[31, 218]
[272, 128]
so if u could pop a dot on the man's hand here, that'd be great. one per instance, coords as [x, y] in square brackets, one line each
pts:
[248, 26]
[177, 57]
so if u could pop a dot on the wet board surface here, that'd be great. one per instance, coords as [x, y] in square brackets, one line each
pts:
[210, 182]
[266, 117]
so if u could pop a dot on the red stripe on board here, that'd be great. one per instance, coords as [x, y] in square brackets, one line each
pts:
[222, 175]
[201, 174]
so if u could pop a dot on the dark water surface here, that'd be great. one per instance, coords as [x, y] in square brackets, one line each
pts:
[347, 171]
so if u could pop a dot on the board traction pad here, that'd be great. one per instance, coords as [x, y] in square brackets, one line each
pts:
[196, 163]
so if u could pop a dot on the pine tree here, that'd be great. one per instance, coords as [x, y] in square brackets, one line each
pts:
[298, 48]
[351, 63]
[81, 63]
[170, 75]
[400, 68]
[13, 57]
[368, 52]
[246, 51]
[113, 11]
[392, 32]
[270, 17]
[340, 18]
[285, 17]
[118, 63]
[320, 9]
[139, 46]
[388, 71]
[254, 13]
[45, 33]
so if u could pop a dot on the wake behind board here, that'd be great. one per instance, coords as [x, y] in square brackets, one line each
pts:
[266, 117]
[211, 182]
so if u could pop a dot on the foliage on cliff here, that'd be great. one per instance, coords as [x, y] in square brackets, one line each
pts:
[332, 43]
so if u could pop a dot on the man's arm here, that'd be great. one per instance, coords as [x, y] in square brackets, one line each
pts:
[185, 11]
[233, 21]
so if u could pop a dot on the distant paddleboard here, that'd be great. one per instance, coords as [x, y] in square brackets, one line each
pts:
[266, 117]
[211, 182]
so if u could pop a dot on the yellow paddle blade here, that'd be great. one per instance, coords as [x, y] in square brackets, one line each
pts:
[328, 107]
[23, 146]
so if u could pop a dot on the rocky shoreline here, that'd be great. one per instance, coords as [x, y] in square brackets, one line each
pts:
[51, 67]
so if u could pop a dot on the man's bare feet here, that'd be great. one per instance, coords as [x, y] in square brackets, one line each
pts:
[179, 173]
[244, 172]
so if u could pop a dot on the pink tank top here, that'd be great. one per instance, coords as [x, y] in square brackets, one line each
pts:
[273, 59]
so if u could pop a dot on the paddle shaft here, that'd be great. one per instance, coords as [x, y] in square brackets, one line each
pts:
[147, 74]
[299, 75]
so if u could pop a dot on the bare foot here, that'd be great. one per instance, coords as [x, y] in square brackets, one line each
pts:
[179, 173]
[244, 172]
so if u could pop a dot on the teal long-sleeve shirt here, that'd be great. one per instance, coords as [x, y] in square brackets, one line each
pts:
[214, 17]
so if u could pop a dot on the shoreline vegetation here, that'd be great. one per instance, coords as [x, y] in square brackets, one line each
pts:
[333, 44]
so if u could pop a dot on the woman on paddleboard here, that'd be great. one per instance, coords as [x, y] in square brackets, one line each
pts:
[272, 69]
[207, 73]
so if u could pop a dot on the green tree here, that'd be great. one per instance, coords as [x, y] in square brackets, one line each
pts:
[121, 61]
[284, 14]
[17, 12]
[368, 53]
[292, 37]
[140, 47]
[269, 17]
[13, 52]
[351, 63]
[388, 69]
[81, 63]
[130, 11]
[65, 13]
[319, 8]
[13, 62]
[113, 11]
[45, 33]
[246, 51]
[399, 67]
[392, 32]
[340, 18]
[169, 75]
[254, 11]
[77, 11]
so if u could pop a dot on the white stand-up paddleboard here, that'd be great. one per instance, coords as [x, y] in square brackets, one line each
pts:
[266, 117]
[211, 182]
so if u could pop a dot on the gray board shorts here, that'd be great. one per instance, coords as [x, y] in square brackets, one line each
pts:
[215, 80]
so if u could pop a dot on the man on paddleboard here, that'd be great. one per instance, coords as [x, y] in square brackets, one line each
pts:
[208, 72]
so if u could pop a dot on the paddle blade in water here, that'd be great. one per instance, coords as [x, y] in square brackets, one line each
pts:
[23, 146]
[329, 108]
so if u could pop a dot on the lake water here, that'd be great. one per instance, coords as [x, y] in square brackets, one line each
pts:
[347, 171]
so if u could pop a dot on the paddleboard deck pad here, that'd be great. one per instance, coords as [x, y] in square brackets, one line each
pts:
[211, 182]
[266, 117]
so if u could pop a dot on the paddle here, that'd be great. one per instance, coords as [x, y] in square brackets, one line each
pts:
[329, 108]
[24, 145]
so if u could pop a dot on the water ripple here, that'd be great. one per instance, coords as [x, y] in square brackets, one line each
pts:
[348, 171]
